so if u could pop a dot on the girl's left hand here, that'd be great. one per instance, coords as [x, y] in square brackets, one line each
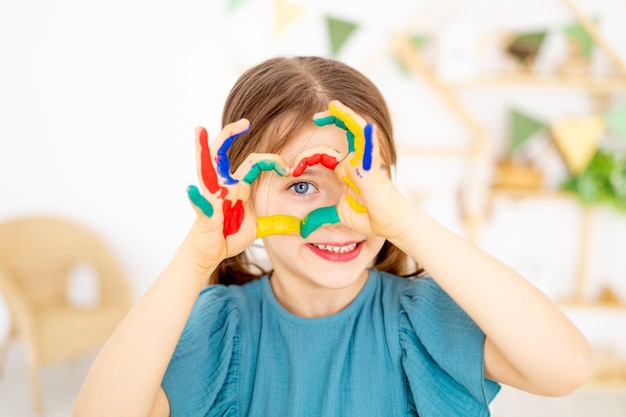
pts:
[371, 204]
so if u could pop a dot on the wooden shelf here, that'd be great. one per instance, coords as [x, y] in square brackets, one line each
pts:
[523, 193]
[595, 87]
[592, 305]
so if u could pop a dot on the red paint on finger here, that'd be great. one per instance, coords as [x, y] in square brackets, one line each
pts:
[329, 162]
[319, 158]
[233, 217]
[209, 176]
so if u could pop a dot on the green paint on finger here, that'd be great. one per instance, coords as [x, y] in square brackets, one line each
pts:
[324, 121]
[199, 201]
[318, 218]
[265, 165]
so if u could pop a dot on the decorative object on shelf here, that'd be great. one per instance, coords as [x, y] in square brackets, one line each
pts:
[510, 175]
[577, 139]
[604, 180]
[513, 171]
[596, 175]
[525, 47]
[607, 296]
[580, 47]
[522, 127]
[582, 42]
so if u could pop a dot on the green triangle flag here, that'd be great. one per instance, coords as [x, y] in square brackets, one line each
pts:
[579, 35]
[521, 128]
[615, 120]
[339, 31]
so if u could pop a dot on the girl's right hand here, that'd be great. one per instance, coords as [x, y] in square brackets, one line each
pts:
[224, 225]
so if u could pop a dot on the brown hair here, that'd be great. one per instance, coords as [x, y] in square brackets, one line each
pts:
[279, 97]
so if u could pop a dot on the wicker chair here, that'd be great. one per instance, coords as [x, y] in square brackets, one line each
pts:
[37, 257]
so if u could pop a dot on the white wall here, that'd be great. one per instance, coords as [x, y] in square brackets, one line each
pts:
[99, 101]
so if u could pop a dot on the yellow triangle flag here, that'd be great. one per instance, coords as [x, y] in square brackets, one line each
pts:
[285, 12]
[578, 139]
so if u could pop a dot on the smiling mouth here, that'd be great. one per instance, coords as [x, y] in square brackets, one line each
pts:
[336, 249]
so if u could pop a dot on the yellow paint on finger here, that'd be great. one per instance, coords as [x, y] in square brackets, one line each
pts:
[359, 208]
[354, 127]
[277, 224]
[351, 184]
[345, 117]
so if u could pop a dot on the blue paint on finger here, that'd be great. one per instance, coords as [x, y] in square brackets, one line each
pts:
[368, 147]
[223, 163]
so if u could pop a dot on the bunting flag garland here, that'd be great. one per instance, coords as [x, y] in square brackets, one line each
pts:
[615, 120]
[578, 139]
[521, 128]
[339, 32]
[285, 12]
[577, 34]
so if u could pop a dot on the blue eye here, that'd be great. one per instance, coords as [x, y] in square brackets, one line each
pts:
[303, 187]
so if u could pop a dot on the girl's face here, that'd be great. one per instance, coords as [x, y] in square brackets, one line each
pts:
[332, 257]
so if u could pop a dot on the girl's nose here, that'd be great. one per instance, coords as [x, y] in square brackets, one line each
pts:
[335, 193]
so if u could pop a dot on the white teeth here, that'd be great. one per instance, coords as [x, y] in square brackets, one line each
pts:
[336, 249]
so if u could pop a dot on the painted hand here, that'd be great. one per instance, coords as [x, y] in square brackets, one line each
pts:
[221, 201]
[357, 161]
[215, 175]
[371, 202]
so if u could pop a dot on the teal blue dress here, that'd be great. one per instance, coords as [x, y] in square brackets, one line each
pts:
[403, 347]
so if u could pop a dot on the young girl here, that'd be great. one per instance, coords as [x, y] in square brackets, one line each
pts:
[336, 327]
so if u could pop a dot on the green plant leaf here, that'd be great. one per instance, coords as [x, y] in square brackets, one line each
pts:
[604, 181]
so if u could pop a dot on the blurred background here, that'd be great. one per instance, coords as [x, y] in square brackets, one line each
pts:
[510, 121]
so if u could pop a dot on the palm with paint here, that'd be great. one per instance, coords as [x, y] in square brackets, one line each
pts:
[225, 224]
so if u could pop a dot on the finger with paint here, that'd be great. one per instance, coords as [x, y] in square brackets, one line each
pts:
[325, 119]
[358, 132]
[360, 143]
[317, 218]
[356, 206]
[285, 224]
[279, 224]
[214, 175]
[319, 155]
[219, 163]
[211, 165]
[256, 163]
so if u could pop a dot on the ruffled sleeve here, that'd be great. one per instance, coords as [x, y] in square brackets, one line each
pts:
[201, 377]
[442, 354]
